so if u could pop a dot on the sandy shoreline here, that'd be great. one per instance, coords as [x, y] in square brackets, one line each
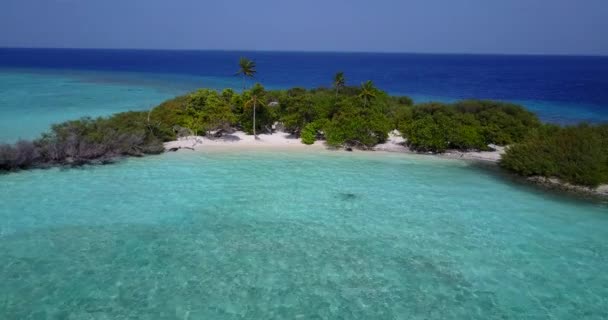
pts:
[282, 140]
[241, 140]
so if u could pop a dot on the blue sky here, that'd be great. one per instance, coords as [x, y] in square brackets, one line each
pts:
[438, 26]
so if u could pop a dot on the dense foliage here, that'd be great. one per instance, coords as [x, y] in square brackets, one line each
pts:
[87, 140]
[344, 116]
[465, 125]
[312, 131]
[578, 154]
[206, 110]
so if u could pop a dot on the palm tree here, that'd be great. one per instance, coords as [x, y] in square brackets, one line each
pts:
[246, 69]
[256, 95]
[339, 82]
[368, 91]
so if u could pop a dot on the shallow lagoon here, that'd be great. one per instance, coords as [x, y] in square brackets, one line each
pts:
[31, 102]
[224, 235]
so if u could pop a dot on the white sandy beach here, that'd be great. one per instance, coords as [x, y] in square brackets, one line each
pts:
[283, 140]
[242, 140]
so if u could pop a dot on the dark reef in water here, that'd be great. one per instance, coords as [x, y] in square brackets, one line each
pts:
[347, 196]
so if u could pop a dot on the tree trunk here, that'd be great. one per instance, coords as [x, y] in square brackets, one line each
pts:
[254, 105]
[243, 83]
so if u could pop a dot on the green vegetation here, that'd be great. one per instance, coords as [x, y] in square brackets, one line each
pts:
[247, 69]
[348, 116]
[309, 134]
[339, 82]
[254, 98]
[343, 116]
[87, 140]
[578, 154]
[368, 92]
[206, 110]
[351, 117]
[465, 125]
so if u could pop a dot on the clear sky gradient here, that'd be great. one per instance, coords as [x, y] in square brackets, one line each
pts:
[437, 26]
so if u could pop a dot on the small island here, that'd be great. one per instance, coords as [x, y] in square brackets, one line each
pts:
[337, 117]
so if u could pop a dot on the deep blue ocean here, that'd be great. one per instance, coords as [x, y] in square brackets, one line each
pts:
[561, 89]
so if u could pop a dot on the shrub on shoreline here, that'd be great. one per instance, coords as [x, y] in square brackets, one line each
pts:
[465, 125]
[575, 154]
[86, 141]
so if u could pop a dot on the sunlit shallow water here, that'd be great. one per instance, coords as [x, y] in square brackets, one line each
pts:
[31, 102]
[292, 235]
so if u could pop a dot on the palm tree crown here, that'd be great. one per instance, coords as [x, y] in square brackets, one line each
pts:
[368, 91]
[246, 69]
[339, 81]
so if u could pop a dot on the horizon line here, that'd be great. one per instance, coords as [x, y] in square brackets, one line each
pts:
[316, 51]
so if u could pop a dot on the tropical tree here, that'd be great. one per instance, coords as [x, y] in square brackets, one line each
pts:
[368, 91]
[339, 81]
[246, 69]
[254, 100]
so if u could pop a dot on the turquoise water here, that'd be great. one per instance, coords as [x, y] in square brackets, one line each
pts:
[31, 102]
[275, 235]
